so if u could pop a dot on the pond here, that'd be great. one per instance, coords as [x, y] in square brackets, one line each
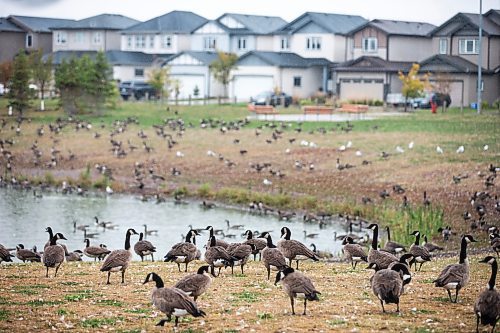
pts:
[24, 217]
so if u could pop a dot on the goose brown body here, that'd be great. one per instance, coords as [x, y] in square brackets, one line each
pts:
[195, 284]
[272, 258]
[297, 285]
[293, 249]
[183, 252]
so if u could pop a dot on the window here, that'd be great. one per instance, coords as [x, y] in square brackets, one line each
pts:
[151, 43]
[140, 42]
[468, 46]
[443, 46]
[313, 43]
[29, 40]
[139, 72]
[129, 41]
[369, 44]
[97, 38]
[284, 45]
[61, 38]
[167, 42]
[209, 43]
[242, 43]
[78, 38]
[297, 81]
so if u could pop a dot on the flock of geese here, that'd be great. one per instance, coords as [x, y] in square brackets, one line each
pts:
[392, 273]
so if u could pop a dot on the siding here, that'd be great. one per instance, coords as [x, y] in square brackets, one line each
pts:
[15, 40]
[409, 48]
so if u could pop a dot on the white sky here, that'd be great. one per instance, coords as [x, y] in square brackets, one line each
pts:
[431, 11]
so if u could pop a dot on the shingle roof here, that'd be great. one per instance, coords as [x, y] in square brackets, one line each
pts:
[399, 27]
[173, 22]
[38, 24]
[372, 64]
[255, 24]
[333, 23]
[489, 26]
[6, 25]
[203, 56]
[103, 21]
[286, 59]
[114, 57]
[449, 64]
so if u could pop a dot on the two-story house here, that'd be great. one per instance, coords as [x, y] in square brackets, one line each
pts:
[456, 56]
[377, 51]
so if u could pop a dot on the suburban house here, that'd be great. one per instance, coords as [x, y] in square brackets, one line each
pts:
[377, 51]
[97, 33]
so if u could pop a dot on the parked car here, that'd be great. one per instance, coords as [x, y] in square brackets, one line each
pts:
[137, 89]
[425, 101]
[270, 98]
[397, 99]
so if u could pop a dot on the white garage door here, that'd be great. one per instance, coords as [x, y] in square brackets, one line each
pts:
[361, 89]
[245, 87]
[188, 84]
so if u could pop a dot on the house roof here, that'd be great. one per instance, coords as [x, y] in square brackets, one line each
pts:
[403, 28]
[334, 23]
[103, 21]
[448, 64]
[38, 24]
[489, 26]
[7, 26]
[173, 22]
[254, 24]
[285, 59]
[203, 56]
[114, 57]
[372, 64]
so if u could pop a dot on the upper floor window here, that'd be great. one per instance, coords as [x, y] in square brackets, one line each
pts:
[297, 81]
[29, 40]
[443, 46]
[370, 44]
[313, 43]
[140, 42]
[78, 38]
[129, 41]
[242, 43]
[96, 39]
[468, 46]
[167, 42]
[139, 72]
[61, 38]
[151, 42]
[284, 43]
[209, 43]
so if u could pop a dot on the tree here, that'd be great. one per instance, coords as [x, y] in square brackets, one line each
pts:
[413, 84]
[221, 68]
[100, 84]
[6, 70]
[158, 79]
[442, 86]
[68, 83]
[41, 71]
[20, 94]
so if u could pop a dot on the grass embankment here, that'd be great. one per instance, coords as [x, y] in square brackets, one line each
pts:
[79, 300]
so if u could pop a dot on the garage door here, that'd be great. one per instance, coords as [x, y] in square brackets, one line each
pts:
[362, 89]
[245, 87]
[188, 84]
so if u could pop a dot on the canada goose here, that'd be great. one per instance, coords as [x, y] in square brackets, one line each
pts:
[426, 201]
[51, 234]
[272, 258]
[259, 244]
[89, 234]
[235, 226]
[196, 284]
[26, 254]
[183, 252]
[54, 254]
[420, 253]
[381, 258]
[102, 223]
[388, 284]
[392, 247]
[306, 235]
[198, 230]
[171, 301]
[354, 252]
[404, 259]
[456, 276]
[241, 252]
[295, 284]
[118, 260]
[217, 256]
[219, 242]
[144, 248]
[74, 256]
[5, 254]
[487, 306]
[495, 243]
[321, 254]
[96, 252]
[149, 232]
[80, 227]
[294, 250]
[431, 247]
[207, 205]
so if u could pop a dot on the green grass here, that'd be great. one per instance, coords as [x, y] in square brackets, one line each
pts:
[39, 302]
[80, 295]
[100, 322]
[138, 310]
[61, 312]
[264, 315]
[247, 296]
[109, 302]
[4, 315]
[30, 289]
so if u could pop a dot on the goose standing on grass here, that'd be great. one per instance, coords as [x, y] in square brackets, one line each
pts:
[487, 306]
[354, 252]
[54, 254]
[96, 252]
[74, 256]
[456, 276]
[171, 301]
[420, 253]
[196, 284]
[381, 258]
[183, 252]
[144, 248]
[272, 258]
[26, 254]
[217, 256]
[219, 242]
[388, 284]
[241, 252]
[392, 247]
[297, 285]
[5, 254]
[259, 244]
[293, 249]
[118, 260]
[431, 247]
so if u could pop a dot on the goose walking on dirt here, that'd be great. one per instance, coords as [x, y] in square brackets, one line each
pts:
[381, 258]
[95, 252]
[196, 284]
[297, 285]
[272, 258]
[487, 306]
[420, 253]
[393, 247]
[388, 284]
[183, 252]
[144, 248]
[353, 252]
[293, 249]
[54, 254]
[118, 260]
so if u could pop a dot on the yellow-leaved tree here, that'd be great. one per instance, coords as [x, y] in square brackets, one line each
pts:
[413, 83]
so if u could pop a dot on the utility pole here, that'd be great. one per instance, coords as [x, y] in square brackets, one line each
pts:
[480, 60]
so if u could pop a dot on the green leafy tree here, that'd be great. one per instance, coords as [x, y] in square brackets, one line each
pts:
[6, 70]
[20, 94]
[159, 78]
[41, 71]
[413, 84]
[68, 83]
[221, 68]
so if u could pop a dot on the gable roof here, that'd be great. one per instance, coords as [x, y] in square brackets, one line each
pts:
[490, 28]
[402, 28]
[254, 24]
[373, 64]
[7, 26]
[103, 21]
[334, 23]
[37, 24]
[285, 59]
[493, 15]
[448, 64]
[173, 22]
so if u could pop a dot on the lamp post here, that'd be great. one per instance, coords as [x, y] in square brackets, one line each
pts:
[480, 60]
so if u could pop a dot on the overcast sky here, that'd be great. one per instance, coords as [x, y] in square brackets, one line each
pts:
[431, 11]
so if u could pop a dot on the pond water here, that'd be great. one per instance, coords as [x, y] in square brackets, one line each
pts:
[23, 219]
